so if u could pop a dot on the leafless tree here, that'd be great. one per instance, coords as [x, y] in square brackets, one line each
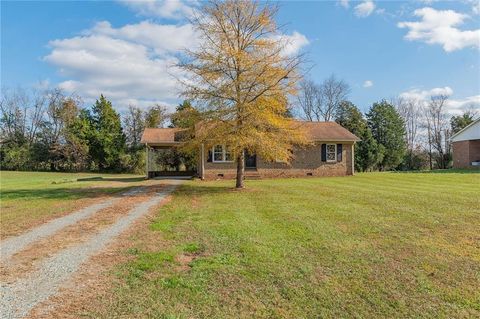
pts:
[61, 111]
[309, 100]
[321, 102]
[134, 125]
[16, 118]
[333, 92]
[438, 130]
[411, 111]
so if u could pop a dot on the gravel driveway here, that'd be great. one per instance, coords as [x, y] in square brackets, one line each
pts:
[19, 297]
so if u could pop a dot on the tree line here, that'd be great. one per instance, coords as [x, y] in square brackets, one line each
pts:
[403, 133]
[241, 78]
[50, 130]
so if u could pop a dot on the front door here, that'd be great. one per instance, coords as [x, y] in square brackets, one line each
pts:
[250, 161]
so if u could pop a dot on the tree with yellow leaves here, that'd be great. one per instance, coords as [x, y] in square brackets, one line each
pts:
[241, 77]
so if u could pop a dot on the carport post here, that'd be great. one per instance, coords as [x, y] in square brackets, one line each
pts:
[146, 160]
[202, 162]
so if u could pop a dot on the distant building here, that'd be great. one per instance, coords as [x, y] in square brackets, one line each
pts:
[466, 146]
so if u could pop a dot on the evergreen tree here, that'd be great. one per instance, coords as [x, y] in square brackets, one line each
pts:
[388, 130]
[367, 151]
[459, 122]
[185, 115]
[107, 141]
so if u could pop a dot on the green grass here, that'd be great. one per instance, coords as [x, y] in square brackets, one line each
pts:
[374, 245]
[28, 198]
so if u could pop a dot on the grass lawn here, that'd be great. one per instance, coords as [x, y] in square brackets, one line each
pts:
[28, 198]
[373, 245]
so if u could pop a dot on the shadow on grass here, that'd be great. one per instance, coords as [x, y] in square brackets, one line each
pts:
[111, 179]
[65, 193]
[61, 193]
[444, 171]
[198, 189]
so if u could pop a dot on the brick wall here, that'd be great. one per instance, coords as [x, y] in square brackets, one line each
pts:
[465, 152]
[474, 150]
[306, 162]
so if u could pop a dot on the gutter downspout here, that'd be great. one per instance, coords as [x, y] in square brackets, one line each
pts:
[353, 158]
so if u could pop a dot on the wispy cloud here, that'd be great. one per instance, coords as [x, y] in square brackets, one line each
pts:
[367, 84]
[344, 3]
[171, 9]
[293, 43]
[453, 106]
[365, 8]
[441, 27]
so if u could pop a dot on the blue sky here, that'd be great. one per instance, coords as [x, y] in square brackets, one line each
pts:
[125, 49]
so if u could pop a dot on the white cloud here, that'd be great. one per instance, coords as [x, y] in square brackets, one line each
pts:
[159, 37]
[171, 9]
[417, 94]
[440, 27]
[344, 3]
[293, 43]
[453, 106]
[131, 63]
[365, 8]
[367, 84]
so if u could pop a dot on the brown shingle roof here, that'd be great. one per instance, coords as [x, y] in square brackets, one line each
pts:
[327, 131]
[316, 131]
[162, 135]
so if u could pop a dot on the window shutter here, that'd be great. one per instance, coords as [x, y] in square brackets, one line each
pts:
[324, 152]
[339, 152]
[209, 158]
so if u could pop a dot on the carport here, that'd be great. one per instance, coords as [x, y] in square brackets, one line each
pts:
[163, 157]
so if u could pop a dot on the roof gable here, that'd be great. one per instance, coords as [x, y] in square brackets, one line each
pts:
[470, 132]
[164, 136]
[327, 131]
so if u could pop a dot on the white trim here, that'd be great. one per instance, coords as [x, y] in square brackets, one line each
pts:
[224, 154]
[146, 161]
[465, 128]
[326, 153]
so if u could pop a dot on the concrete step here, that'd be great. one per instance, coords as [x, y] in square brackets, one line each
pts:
[252, 175]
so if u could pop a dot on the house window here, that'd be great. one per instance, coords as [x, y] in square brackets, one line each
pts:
[331, 152]
[221, 154]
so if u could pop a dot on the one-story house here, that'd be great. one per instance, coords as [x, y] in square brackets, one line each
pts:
[466, 146]
[331, 153]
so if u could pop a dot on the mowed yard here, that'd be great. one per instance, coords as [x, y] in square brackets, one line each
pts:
[372, 245]
[31, 198]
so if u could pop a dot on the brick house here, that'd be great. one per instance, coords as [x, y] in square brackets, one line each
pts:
[466, 146]
[331, 154]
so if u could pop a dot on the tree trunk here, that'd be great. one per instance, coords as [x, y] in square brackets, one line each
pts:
[240, 169]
